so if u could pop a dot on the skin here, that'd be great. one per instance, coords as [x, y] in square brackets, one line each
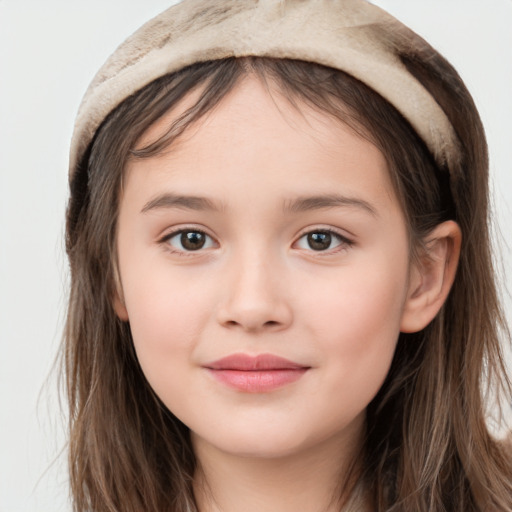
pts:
[257, 287]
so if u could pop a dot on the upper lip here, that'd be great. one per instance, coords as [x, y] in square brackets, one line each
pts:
[261, 362]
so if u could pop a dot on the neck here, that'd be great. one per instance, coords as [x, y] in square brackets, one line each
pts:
[312, 480]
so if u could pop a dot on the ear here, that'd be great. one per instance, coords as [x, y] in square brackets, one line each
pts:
[432, 276]
[118, 298]
[120, 308]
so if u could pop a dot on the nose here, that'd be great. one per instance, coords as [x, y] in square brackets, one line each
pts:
[255, 298]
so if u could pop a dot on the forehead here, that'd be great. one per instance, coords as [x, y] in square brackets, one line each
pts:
[256, 89]
[255, 136]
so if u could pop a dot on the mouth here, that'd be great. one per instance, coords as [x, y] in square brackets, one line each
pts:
[256, 374]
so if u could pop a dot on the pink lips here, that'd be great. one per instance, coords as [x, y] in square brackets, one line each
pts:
[256, 374]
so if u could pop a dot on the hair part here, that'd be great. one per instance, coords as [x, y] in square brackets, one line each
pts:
[427, 447]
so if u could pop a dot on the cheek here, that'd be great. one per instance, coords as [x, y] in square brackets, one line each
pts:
[167, 312]
[356, 320]
[360, 306]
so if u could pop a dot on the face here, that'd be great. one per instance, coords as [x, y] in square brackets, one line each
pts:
[264, 266]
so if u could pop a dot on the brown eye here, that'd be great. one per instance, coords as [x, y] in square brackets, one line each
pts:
[323, 241]
[192, 240]
[189, 240]
[319, 241]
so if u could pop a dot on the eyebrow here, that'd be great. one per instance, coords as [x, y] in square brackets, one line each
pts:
[300, 204]
[169, 200]
[320, 202]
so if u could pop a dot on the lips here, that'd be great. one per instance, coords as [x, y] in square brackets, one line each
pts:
[256, 374]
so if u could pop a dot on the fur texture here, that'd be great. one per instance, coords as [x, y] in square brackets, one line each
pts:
[351, 35]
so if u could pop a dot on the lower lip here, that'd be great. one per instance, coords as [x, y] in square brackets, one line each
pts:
[258, 381]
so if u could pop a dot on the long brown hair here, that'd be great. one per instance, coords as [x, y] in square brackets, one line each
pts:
[427, 447]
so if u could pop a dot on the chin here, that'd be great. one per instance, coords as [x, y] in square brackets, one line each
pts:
[263, 443]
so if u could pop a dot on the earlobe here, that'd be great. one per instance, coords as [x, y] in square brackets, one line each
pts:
[432, 277]
[120, 308]
[118, 299]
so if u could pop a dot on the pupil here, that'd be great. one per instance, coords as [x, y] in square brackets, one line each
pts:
[192, 240]
[319, 241]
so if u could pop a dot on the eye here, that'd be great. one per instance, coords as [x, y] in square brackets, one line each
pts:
[188, 240]
[322, 240]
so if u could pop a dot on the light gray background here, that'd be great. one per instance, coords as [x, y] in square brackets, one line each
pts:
[49, 51]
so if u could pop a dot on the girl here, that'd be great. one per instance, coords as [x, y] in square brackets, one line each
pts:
[282, 292]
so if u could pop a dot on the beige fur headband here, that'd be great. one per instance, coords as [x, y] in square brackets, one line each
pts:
[351, 35]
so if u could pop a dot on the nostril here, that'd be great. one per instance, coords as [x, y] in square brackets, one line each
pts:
[264, 315]
[253, 326]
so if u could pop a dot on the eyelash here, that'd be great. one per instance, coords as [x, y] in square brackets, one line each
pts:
[343, 242]
[183, 252]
